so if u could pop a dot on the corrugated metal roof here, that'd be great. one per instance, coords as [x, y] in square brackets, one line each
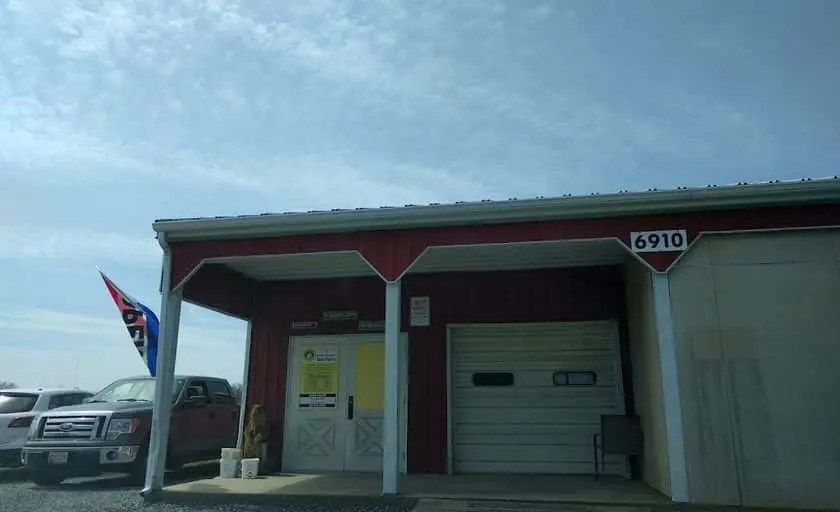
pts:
[652, 201]
[501, 201]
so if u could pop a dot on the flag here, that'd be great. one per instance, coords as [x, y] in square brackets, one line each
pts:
[142, 323]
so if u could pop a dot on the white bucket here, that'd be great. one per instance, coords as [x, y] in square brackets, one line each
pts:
[231, 454]
[250, 468]
[228, 468]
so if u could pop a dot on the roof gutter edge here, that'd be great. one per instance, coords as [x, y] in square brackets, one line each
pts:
[713, 198]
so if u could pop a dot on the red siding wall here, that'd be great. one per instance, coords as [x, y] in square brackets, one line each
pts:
[220, 289]
[534, 296]
[392, 251]
[278, 306]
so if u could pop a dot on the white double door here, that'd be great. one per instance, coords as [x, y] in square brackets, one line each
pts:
[335, 403]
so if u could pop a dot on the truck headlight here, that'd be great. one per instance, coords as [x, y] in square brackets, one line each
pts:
[120, 426]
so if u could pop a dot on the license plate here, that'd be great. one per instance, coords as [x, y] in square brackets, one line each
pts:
[57, 458]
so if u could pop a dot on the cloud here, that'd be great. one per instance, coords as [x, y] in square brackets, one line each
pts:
[20, 241]
[43, 347]
[253, 96]
[98, 329]
[324, 36]
[40, 366]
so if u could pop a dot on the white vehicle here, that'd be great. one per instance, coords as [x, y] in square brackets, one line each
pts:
[19, 407]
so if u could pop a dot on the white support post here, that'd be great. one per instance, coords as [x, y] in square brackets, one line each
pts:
[243, 396]
[391, 428]
[164, 382]
[674, 433]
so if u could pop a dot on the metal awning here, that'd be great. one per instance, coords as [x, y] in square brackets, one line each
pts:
[298, 267]
[438, 259]
[520, 256]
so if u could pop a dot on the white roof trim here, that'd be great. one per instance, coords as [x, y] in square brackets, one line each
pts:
[573, 207]
[227, 262]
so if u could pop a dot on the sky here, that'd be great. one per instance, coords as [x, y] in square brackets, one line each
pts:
[115, 113]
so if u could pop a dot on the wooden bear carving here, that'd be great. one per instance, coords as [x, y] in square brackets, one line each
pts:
[256, 432]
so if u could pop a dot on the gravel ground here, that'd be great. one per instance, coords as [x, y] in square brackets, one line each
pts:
[115, 494]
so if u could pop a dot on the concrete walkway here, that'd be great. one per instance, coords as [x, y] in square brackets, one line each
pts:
[436, 505]
[436, 493]
[430, 492]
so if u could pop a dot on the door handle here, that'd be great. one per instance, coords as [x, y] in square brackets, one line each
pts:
[350, 407]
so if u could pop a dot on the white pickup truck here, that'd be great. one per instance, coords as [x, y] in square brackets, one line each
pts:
[20, 407]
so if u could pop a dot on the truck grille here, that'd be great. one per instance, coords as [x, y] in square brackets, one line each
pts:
[72, 427]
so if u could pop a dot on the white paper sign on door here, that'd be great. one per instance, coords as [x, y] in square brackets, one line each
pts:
[318, 385]
[420, 312]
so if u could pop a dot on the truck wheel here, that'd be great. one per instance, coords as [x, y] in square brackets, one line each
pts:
[174, 464]
[46, 478]
[138, 473]
[138, 469]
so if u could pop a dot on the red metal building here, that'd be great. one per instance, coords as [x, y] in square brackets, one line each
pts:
[499, 333]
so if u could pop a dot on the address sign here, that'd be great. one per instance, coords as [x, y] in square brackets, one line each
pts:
[669, 240]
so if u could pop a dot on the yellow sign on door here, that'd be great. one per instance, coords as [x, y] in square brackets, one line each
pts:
[370, 376]
[318, 378]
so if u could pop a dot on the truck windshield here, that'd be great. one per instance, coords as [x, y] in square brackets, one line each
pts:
[132, 390]
[11, 402]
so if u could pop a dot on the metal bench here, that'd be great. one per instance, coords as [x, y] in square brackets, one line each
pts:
[620, 434]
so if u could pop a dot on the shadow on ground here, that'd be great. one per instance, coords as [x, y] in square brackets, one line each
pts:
[114, 482]
[12, 475]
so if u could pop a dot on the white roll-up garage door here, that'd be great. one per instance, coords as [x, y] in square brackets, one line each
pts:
[527, 398]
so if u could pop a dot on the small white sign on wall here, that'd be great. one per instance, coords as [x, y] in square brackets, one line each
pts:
[420, 311]
[667, 240]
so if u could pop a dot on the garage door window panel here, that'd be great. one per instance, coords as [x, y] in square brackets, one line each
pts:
[496, 379]
[575, 378]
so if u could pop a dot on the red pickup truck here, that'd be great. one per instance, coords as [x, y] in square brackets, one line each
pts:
[109, 432]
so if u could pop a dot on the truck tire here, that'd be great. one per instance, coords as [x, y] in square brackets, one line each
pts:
[45, 478]
[138, 468]
[174, 464]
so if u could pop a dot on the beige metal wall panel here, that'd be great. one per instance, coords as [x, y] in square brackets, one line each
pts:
[756, 321]
[710, 459]
[647, 383]
[771, 248]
